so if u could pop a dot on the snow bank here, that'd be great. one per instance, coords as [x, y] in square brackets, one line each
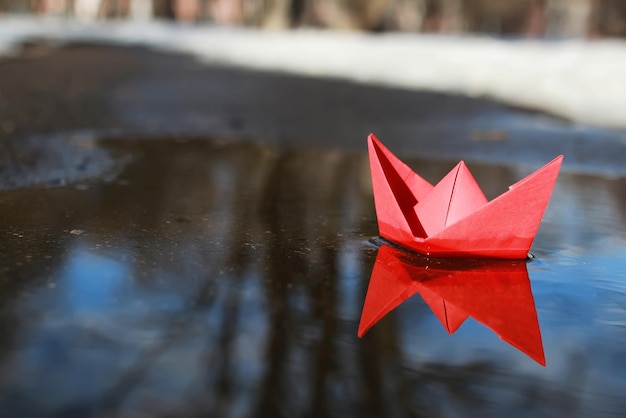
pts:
[584, 81]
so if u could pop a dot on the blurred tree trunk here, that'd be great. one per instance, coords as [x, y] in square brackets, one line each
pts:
[406, 15]
[163, 9]
[186, 10]
[608, 18]
[347, 14]
[114, 9]
[55, 7]
[501, 17]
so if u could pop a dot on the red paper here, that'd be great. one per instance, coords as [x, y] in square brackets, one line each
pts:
[497, 294]
[453, 218]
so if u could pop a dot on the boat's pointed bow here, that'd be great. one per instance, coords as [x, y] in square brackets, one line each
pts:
[546, 175]
[396, 191]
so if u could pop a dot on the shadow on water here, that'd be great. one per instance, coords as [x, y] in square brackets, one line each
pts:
[214, 279]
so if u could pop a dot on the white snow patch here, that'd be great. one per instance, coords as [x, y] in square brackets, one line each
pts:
[581, 80]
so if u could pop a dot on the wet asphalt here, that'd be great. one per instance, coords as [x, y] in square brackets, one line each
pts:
[184, 239]
[55, 101]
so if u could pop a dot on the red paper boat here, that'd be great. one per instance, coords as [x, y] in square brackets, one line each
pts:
[454, 218]
[496, 294]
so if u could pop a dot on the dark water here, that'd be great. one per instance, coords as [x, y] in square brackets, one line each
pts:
[228, 280]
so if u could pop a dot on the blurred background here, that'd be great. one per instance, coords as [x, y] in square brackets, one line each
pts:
[184, 235]
[532, 18]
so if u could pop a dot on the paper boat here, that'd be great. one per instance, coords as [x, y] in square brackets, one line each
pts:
[497, 294]
[454, 218]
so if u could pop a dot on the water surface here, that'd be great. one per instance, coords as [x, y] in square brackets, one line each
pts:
[216, 279]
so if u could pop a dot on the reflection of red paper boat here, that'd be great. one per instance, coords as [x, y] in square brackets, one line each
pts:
[454, 218]
[496, 294]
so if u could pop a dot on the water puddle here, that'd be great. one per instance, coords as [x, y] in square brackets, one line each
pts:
[230, 279]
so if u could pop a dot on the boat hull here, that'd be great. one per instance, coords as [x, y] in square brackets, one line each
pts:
[453, 219]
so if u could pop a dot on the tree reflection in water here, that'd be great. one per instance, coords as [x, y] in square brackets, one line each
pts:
[223, 280]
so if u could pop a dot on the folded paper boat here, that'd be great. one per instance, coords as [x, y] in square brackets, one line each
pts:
[454, 218]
